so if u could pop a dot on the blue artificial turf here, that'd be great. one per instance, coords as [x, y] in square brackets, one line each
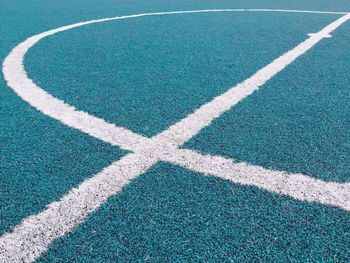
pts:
[298, 122]
[172, 215]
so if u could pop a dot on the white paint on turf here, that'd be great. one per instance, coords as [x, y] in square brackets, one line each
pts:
[297, 186]
[185, 129]
[31, 238]
[17, 79]
[295, 11]
[324, 36]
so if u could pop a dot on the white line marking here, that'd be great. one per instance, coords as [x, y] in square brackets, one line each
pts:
[297, 186]
[185, 129]
[324, 36]
[296, 11]
[31, 238]
[17, 79]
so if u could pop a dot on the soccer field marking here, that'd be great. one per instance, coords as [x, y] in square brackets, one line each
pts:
[32, 236]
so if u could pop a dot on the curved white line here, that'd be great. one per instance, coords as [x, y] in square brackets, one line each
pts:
[17, 79]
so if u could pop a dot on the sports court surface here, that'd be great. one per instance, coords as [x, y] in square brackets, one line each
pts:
[175, 131]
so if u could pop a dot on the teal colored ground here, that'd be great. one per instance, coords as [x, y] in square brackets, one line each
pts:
[148, 73]
[160, 70]
[298, 122]
[173, 215]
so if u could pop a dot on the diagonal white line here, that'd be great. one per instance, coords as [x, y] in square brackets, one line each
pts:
[17, 79]
[185, 129]
[297, 186]
[295, 11]
[31, 238]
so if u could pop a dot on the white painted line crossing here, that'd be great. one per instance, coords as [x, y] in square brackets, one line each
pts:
[17, 79]
[33, 235]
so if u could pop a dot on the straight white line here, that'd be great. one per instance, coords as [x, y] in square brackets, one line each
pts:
[185, 129]
[296, 11]
[17, 79]
[297, 186]
[32, 236]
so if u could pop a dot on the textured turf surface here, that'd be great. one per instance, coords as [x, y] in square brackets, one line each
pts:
[52, 160]
[157, 219]
[148, 73]
[168, 64]
[299, 121]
